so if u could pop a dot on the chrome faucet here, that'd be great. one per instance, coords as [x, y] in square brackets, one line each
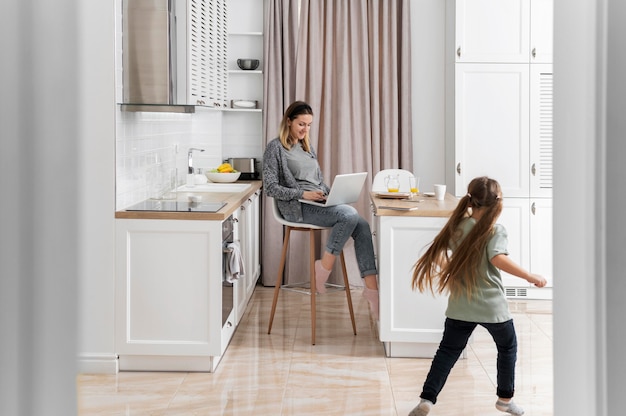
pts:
[189, 159]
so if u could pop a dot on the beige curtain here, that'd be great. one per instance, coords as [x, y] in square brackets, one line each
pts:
[352, 64]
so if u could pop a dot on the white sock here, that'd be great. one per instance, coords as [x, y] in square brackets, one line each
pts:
[509, 407]
[422, 409]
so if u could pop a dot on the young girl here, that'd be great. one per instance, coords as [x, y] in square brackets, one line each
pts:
[464, 261]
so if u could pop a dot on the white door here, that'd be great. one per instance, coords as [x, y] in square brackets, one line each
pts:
[492, 30]
[541, 31]
[515, 219]
[491, 126]
[541, 238]
[541, 130]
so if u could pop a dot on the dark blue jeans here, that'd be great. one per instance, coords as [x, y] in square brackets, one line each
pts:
[455, 336]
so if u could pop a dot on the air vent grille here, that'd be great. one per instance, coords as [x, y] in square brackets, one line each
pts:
[516, 292]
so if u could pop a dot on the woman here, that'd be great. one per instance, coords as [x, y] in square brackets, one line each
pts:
[291, 172]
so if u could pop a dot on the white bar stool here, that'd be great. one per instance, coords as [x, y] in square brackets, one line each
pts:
[302, 287]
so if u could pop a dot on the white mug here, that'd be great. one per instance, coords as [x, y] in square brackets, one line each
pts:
[440, 191]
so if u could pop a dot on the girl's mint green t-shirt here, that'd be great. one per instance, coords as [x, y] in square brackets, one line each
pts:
[488, 304]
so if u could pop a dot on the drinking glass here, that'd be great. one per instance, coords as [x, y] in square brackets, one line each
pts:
[414, 185]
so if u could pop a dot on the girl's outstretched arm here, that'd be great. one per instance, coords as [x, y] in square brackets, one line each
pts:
[504, 263]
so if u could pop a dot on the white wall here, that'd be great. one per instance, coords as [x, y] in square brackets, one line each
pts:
[39, 140]
[428, 91]
[97, 188]
[589, 197]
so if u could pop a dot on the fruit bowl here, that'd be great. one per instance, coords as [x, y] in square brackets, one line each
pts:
[222, 177]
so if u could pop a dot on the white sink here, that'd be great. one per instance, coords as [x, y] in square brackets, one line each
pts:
[215, 187]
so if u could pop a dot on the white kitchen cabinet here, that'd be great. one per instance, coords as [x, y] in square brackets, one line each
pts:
[170, 310]
[411, 323]
[502, 127]
[248, 217]
[541, 31]
[501, 31]
[491, 122]
[541, 237]
[541, 130]
[490, 30]
[499, 117]
[516, 219]
[528, 222]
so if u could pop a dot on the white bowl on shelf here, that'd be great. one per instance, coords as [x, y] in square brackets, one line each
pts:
[222, 177]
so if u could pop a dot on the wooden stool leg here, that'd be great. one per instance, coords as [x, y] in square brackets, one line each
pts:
[279, 278]
[313, 285]
[346, 283]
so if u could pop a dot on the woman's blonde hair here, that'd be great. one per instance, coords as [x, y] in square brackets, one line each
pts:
[296, 109]
[458, 272]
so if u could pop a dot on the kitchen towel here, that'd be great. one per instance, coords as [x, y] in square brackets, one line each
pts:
[234, 262]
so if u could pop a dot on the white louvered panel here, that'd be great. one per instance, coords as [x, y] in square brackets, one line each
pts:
[212, 54]
[541, 130]
[216, 50]
[222, 52]
[198, 56]
[545, 130]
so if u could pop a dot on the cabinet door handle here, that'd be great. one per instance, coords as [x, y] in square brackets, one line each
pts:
[458, 51]
[534, 53]
[533, 169]
[458, 168]
[532, 208]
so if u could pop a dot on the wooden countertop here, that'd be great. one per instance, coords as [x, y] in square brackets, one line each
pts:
[233, 201]
[427, 206]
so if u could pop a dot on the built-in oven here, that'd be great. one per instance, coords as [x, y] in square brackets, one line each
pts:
[228, 292]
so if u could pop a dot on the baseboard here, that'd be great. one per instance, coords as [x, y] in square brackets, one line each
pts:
[168, 363]
[98, 364]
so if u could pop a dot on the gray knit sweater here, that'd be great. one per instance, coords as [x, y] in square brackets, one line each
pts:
[279, 182]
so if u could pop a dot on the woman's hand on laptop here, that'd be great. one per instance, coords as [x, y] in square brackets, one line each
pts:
[314, 196]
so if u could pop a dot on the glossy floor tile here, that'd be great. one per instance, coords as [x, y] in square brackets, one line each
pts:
[283, 374]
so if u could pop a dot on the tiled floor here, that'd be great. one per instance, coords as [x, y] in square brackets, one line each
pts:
[283, 374]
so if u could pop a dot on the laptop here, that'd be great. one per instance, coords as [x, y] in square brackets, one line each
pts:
[346, 189]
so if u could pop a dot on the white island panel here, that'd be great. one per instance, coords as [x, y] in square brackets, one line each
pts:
[411, 323]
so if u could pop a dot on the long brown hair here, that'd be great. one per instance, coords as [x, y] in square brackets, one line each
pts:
[458, 272]
[294, 110]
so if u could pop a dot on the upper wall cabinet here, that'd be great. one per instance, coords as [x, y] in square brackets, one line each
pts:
[541, 31]
[502, 31]
[174, 53]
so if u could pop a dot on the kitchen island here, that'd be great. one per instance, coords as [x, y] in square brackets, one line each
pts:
[174, 310]
[411, 323]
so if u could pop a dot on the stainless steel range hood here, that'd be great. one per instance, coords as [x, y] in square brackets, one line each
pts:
[158, 74]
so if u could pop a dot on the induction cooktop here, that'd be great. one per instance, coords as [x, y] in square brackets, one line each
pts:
[176, 206]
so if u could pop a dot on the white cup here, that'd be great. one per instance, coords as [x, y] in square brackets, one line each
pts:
[440, 191]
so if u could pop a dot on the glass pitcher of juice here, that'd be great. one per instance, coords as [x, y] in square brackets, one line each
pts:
[393, 183]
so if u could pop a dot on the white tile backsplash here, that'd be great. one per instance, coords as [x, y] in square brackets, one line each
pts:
[148, 145]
